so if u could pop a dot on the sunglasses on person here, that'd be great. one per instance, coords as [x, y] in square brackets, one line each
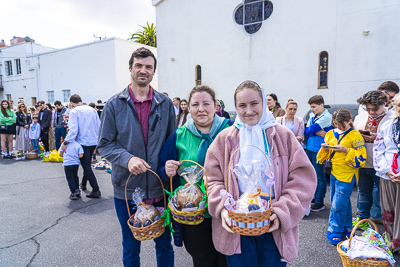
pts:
[371, 109]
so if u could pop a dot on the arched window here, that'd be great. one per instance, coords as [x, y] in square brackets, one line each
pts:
[198, 75]
[323, 70]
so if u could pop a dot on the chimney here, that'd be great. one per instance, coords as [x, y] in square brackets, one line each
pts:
[17, 40]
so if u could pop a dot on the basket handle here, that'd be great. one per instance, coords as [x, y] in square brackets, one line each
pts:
[356, 226]
[230, 160]
[188, 160]
[126, 186]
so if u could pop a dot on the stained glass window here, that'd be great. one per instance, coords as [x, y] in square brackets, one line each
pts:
[252, 13]
[323, 70]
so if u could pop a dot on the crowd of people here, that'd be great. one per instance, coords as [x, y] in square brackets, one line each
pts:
[141, 128]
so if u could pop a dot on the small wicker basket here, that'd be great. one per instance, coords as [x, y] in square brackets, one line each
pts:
[347, 262]
[249, 224]
[31, 155]
[155, 229]
[189, 217]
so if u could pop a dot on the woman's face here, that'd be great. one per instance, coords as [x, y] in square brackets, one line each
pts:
[4, 105]
[291, 109]
[340, 127]
[217, 106]
[184, 105]
[23, 108]
[202, 109]
[249, 106]
[271, 102]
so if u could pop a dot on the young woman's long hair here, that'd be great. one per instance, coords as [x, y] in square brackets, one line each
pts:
[342, 115]
[183, 113]
[4, 110]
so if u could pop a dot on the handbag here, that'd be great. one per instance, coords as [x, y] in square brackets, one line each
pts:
[3, 127]
[328, 162]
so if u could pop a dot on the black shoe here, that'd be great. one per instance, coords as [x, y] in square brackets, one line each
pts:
[6, 157]
[78, 193]
[73, 196]
[83, 187]
[94, 194]
[12, 156]
[317, 207]
[313, 201]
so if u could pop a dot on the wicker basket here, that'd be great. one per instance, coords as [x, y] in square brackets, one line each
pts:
[155, 229]
[249, 224]
[31, 155]
[347, 262]
[189, 217]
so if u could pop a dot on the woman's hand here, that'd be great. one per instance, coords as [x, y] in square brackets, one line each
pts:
[274, 223]
[324, 147]
[171, 166]
[225, 221]
[340, 148]
[391, 175]
[26, 127]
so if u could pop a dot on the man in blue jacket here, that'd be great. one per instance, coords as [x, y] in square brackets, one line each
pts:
[135, 124]
[319, 123]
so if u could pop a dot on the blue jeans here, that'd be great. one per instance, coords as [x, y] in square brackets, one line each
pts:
[35, 144]
[257, 251]
[340, 215]
[131, 246]
[58, 133]
[320, 192]
[367, 181]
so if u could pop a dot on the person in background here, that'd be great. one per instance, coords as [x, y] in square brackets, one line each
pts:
[66, 114]
[45, 122]
[8, 123]
[386, 163]
[34, 133]
[23, 122]
[183, 115]
[274, 106]
[350, 155]
[390, 89]
[71, 161]
[37, 110]
[32, 110]
[369, 123]
[221, 110]
[176, 101]
[295, 124]
[319, 123]
[52, 140]
[60, 127]
[93, 105]
[134, 126]
[12, 105]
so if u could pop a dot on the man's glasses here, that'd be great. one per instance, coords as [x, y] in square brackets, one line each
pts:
[371, 109]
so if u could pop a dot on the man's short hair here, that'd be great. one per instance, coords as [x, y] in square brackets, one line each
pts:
[91, 104]
[317, 99]
[177, 98]
[75, 99]
[57, 103]
[376, 98]
[41, 102]
[99, 101]
[142, 53]
[389, 86]
[165, 93]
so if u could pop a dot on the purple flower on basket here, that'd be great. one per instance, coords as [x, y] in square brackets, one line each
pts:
[271, 178]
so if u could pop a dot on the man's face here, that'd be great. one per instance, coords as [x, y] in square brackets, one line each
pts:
[390, 96]
[58, 107]
[317, 109]
[42, 106]
[142, 71]
[373, 110]
[175, 102]
[11, 103]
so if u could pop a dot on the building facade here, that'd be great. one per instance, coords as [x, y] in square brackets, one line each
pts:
[296, 49]
[95, 71]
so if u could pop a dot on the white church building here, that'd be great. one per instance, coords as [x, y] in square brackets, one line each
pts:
[339, 49]
[95, 71]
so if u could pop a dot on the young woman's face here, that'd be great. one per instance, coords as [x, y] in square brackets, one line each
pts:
[249, 106]
[202, 109]
[340, 127]
[23, 108]
[291, 109]
[271, 103]
[4, 105]
[184, 105]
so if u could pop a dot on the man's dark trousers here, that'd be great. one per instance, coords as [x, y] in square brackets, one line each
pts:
[86, 162]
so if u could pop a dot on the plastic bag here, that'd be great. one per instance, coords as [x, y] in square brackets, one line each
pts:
[189, 197]
[145, 214]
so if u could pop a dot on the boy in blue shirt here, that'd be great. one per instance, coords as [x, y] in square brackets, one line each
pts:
[319, 123]
[71, 161]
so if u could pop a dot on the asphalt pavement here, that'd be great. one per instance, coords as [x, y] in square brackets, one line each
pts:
[40, 226]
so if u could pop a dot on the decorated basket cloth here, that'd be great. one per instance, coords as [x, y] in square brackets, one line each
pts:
[188, 217]
[254, 223]
[155, 229]
[357, 262]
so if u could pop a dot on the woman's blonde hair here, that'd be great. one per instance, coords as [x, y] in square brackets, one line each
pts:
[19, 108]
[396, 101]
[291, 102]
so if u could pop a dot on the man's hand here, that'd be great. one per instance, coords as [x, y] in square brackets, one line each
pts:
[171, 166]
[137, 166]
[225, 221]
[64, 147]
[369, 138]
[274, 224]
[321, 133]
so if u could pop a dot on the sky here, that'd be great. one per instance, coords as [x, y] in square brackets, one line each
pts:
[65, 23]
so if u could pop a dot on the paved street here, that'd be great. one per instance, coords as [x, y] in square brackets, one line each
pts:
[40, 226]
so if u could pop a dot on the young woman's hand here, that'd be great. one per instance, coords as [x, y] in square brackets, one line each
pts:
[171, 166]
[340, 148]
[275, 223]
[225, 221]
[391, 175]
[324, 147]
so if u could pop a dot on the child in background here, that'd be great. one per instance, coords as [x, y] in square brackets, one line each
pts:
[350, 155]
[71, 160]
[34, 133]
[319, 123]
